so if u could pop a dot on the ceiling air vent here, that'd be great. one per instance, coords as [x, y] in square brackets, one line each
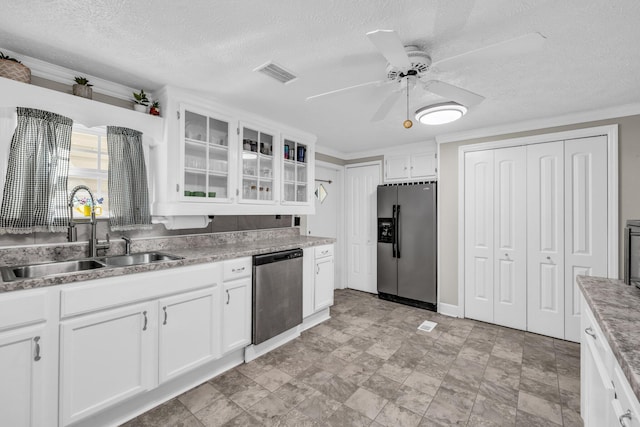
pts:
[277, 72]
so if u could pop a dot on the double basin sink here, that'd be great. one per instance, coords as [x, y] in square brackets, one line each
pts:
[31, 271]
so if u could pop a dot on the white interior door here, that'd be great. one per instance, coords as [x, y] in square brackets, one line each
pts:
[545, 238]
[510, 238]
[585, 172]
[478, 225]
[325, 222]
[361, 187]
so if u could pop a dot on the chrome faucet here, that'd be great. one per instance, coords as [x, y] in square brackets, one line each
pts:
[72, 236]
[127, 245]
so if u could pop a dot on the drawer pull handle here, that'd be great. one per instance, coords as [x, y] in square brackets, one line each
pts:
[144, 313]
[237, 270]
[37, 356]
[325, 252]
[165, 315]
[626, 416]
[589, 331]
[228, 296]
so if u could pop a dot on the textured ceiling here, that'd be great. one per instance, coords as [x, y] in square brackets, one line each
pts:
[589, 60]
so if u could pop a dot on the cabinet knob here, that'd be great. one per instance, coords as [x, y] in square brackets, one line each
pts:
[589, 331]
[237, 270]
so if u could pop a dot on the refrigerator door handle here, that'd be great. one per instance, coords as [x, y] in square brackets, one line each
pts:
[393, 219]
[627, 255]
[397, 233]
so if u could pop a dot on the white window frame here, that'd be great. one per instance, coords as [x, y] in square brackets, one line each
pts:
[99, 175]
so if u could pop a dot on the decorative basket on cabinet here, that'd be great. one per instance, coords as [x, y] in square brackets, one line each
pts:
[13, 69]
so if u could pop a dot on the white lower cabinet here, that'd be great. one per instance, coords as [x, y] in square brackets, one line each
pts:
[106, 358]
[606, 398]
[28, 358]
[318, 273]
[22, 375]
[236, 304]
[323, 292]
[236, 309]
[189, 330]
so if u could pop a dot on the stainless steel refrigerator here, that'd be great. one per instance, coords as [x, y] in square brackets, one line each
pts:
[407, 244]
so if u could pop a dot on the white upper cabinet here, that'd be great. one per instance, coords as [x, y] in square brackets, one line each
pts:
[297, 168]
[259, 145]
[206, 155]
[218, 160]
[410, 167]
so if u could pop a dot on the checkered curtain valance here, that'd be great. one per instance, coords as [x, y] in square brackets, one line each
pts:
[128, 190]
[35, 191]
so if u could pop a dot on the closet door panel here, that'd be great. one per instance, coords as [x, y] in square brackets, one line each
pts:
[510, 245]
[545, 239]
[585, 168]
[479, 256]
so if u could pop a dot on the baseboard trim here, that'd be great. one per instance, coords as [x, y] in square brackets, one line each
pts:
[254, 351]
[315, 319]
[448, 309]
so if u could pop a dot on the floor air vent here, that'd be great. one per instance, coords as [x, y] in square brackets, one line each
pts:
[277, 72]
[427, 326]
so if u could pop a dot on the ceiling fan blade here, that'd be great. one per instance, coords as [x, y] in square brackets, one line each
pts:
[389, 44]
[386, 106]
[453, 93]
[344, 89]
[519, 45]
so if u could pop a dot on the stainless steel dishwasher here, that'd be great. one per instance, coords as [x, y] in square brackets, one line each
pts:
[277, 293]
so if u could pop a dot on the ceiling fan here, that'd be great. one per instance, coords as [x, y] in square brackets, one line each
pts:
[409, 67]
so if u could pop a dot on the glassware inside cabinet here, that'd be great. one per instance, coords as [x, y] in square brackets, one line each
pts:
[290, 192]
[301, 193]
[302, 173]
[195, 126]
[218, 132]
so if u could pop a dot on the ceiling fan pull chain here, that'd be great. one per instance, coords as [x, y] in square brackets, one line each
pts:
[407, 123]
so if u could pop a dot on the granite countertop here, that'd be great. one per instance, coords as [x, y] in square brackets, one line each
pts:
[616, 307]
[194, 251]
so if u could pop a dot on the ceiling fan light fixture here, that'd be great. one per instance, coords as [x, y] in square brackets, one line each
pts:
[439, 114]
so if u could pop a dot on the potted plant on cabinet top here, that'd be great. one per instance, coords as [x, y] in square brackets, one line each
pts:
[13, 69]
[154, 110]
[82, 88]
[141, 101]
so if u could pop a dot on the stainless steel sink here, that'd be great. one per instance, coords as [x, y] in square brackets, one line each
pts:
[39, 270]
[31, 271]
[136, 259]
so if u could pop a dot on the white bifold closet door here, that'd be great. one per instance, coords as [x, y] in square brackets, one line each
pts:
[545, 238]
[478, 225]
[585, 212]
[495, 236]
[510, 238]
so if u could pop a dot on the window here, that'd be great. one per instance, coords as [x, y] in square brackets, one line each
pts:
[89, 165]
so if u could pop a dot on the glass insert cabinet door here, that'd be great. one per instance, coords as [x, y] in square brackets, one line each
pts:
[294, 171]
[205, 157]
[258, 166]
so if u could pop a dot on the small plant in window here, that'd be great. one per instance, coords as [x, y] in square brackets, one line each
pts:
[154, 110]
[82, 88]
[83, 205]
[140, 101]
[13, 69]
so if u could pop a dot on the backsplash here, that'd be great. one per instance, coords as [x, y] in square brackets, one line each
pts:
[217, 225]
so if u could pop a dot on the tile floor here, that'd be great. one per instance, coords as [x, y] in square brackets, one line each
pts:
[369, 366]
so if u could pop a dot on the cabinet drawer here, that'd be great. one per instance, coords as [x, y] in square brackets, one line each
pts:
[592, 332]
[22, 308]
[626, 401]
[99, 294]
[237, 269]
[323, 251]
